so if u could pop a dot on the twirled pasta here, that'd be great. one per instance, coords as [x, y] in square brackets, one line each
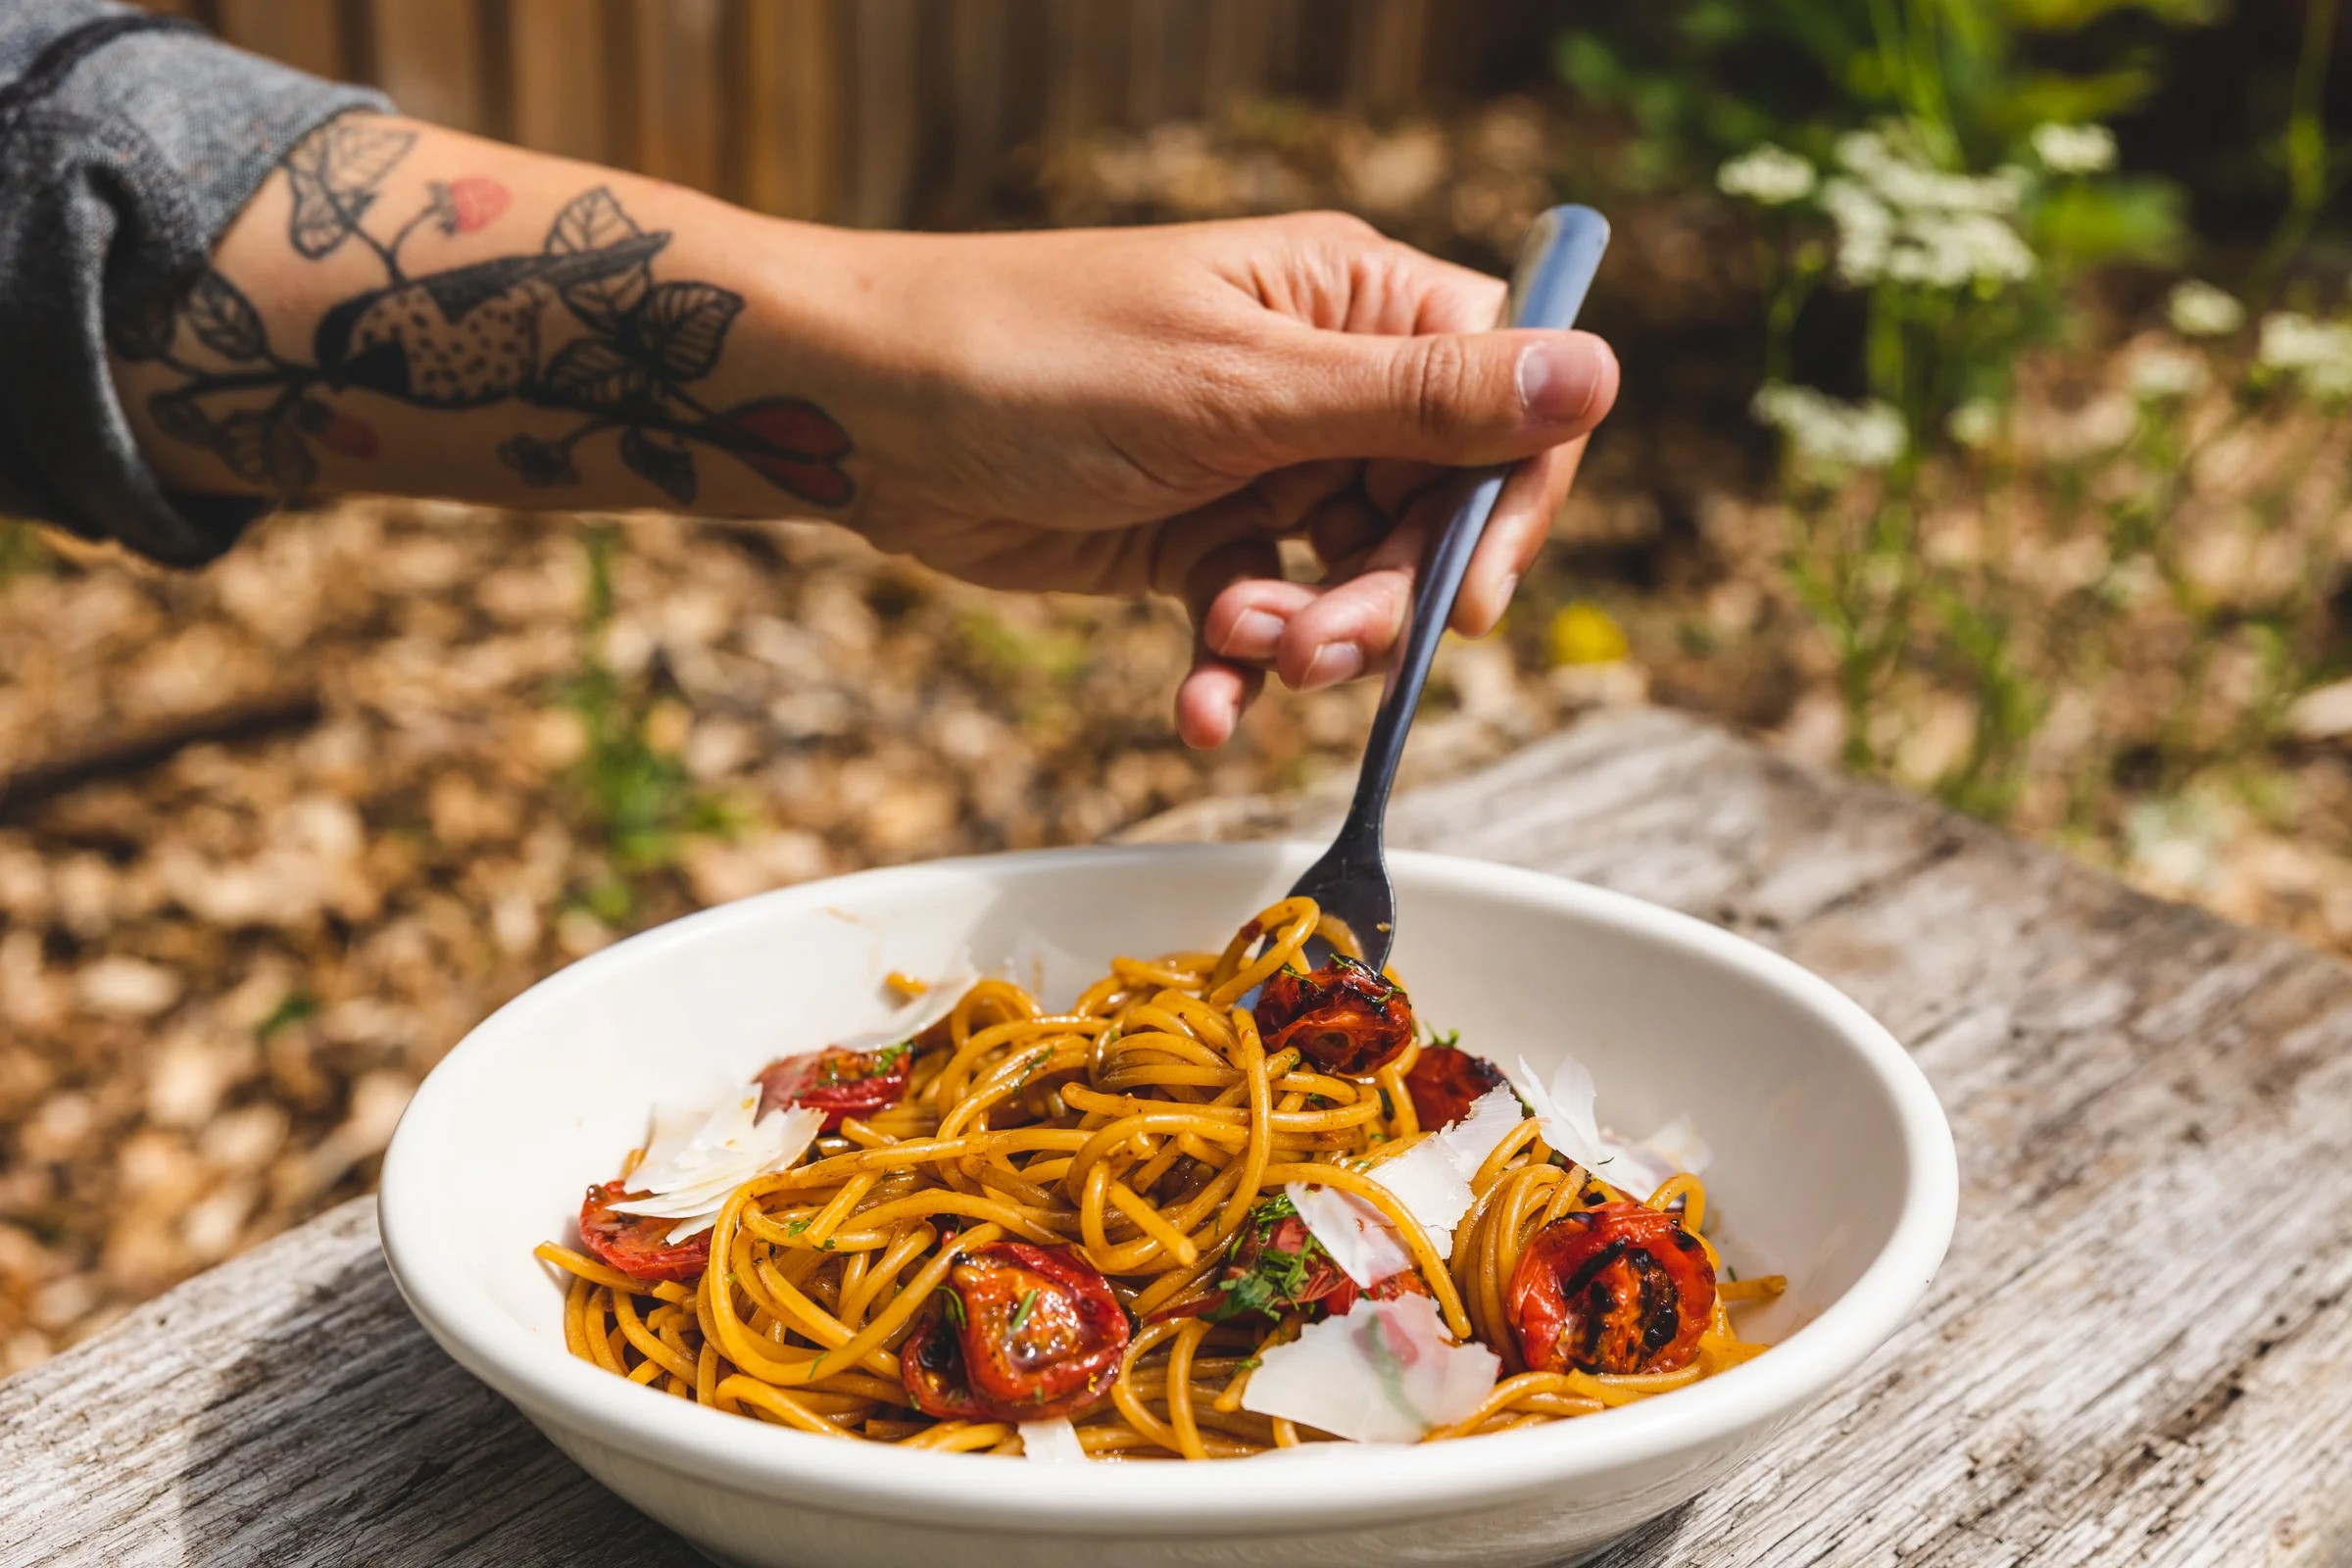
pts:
[1143, 1128]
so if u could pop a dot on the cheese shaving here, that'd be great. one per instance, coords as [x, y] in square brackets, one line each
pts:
[1566, 1109]
[918, 1014]
[1052, 1442]
[1432, 1179]
[1359, 1241]
[1384, 1373]
[687, 1175]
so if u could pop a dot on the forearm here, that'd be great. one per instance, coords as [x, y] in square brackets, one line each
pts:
[408, 310]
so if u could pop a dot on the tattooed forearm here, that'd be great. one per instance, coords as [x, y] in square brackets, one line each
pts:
[581, 324]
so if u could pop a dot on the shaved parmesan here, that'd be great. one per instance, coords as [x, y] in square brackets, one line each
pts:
[1359, 1241]
[1669, 1152]
[1565, 1107]
[1488, 1122]
[1432, 1179]
[1424, 1179]
[1054, 1441]
[1386, 1372]
[919, 1012]
[691, 1167]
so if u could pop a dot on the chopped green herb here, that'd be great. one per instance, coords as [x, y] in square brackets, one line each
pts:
[1020, 1314]
[798, 1226]
[954, 1308]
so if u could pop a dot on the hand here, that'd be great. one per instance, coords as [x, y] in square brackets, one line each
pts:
[1115, 411]
[415, 312]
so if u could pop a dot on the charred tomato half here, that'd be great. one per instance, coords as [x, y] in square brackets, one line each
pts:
[1446, 1082]
[1015, 1333]
[1620, 1289]
[840, 1083]
[1345, 1017]
[636, 1245]
[1274, 1267]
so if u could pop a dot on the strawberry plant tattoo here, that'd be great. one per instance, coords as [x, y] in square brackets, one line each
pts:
[469, 336]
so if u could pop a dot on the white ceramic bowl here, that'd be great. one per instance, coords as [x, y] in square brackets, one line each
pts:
[1832, 1162]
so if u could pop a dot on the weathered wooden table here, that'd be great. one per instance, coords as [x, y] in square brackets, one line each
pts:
[2140, 1350]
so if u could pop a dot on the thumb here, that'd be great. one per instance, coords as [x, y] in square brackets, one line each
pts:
[1452, 398]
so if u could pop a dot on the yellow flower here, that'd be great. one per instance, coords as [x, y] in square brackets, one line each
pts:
[1583, 633]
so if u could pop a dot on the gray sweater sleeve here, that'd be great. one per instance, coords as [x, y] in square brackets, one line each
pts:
[127, 143]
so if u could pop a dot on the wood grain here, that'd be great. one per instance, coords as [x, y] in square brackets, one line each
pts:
[2138, 1352]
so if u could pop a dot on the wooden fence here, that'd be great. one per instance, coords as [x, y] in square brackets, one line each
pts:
[871, 111]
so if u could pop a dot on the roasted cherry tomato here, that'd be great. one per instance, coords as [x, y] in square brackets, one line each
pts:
[839, 1083]
[1017, 1333]
[1621, 1288]
[1275, 1266]
[1346, 1018]
[1446, 1082]
[637, 1245]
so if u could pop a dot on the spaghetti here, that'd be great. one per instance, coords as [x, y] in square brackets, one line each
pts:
[1126, 1212]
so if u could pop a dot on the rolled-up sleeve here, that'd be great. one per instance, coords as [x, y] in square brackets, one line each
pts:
[127, 144]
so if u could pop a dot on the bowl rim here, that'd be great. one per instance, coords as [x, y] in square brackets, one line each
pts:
[1362, 1482]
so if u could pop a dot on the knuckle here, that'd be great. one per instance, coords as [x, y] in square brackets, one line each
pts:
[1439, 380]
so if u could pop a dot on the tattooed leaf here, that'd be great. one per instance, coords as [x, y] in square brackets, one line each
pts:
[334, 173]
[592, 373]
[663, 460]
[682, 326]
[540, 463]
[594, 222]
[224, 319]
[176, 415]
[590, 222]
[141, 326]
[321, 221]
[268, 449]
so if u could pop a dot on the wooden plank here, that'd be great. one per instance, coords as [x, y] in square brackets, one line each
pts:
[978, 47]
[562, 63]
[429, 55]
[307, 34]
[1385, 60]
[791, 98]
[677, 47]
[1238, 51]
[290, 1414]
[884, 135]
[2135, 1355]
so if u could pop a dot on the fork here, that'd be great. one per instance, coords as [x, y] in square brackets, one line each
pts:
[1351, 882]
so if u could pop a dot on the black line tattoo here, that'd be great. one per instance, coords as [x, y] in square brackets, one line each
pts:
[469, 336]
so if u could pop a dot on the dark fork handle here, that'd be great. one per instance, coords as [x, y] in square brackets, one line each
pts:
[1555, 270]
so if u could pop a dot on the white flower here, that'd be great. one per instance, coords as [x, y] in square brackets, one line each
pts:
[2199, 310]
[2160, 375]
[2317, 354]
[2074, 149]
[1865, 230]
[1976, 422]
[1769, 176]
[1830, 433]
[1901, 220]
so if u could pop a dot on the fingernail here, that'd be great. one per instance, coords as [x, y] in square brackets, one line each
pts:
[1253, 635]
[1332, 663]
[1558, 379]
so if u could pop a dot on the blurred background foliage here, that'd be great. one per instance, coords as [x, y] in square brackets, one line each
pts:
[1984, 429]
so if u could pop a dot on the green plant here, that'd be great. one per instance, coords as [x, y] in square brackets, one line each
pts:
[1709, 79]
[1963, 252]
[636, 796]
